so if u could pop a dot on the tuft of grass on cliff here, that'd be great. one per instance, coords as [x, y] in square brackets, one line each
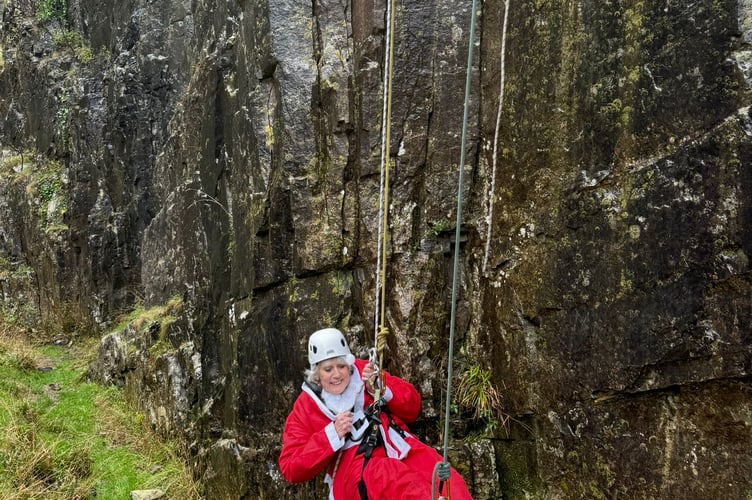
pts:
[62, 437]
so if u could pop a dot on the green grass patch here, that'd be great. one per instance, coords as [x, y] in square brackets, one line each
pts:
[65, 437]
[48, 10]
[44, 181]
[74, 42]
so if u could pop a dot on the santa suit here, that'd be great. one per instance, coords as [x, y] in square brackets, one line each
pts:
[400, 468]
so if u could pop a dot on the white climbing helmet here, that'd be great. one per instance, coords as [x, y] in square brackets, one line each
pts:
[326, 344]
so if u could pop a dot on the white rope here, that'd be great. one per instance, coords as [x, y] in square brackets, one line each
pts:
[492, 194]
[382, 186]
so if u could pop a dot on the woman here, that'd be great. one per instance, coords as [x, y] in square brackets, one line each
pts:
[330, 428]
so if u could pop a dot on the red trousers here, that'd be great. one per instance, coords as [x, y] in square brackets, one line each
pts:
[391, 479]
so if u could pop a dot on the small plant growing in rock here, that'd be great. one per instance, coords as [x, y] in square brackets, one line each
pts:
[476, 392]
[48, 10]
[45, 185]
[73, 41]
[154, 324]
[48, 188]
[12, 165]
[440, 226]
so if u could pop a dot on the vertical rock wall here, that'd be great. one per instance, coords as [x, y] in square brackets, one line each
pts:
[223, 158]
[616, 302]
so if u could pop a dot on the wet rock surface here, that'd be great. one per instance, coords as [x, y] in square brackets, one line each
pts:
[218, 164]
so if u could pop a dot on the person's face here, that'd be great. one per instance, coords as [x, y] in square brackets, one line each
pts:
[335, 375]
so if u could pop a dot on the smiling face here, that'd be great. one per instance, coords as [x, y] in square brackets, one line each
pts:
[335, 375]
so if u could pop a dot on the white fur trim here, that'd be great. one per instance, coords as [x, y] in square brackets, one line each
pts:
[329, 480]
[396, 446]
[388, 394]
[355, 382]
[346, 401]
[335, 441]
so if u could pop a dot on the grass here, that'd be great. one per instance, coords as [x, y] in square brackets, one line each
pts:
[66, 438]
[43, 181]
[477, 393]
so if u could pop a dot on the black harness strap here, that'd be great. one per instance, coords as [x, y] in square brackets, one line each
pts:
[371, 440]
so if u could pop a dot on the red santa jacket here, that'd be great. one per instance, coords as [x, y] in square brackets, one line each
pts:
[310, 443]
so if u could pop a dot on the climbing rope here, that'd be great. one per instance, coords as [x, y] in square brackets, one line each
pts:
[491, 195]
[442, 470]
[380, 329]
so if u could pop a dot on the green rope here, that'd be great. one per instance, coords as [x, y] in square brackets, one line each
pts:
[455, 272]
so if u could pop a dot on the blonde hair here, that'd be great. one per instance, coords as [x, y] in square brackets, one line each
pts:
[312, 374]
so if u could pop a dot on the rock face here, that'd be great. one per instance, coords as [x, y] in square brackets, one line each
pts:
[218, 164]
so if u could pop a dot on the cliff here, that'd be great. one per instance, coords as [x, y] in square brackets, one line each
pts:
[212, 168]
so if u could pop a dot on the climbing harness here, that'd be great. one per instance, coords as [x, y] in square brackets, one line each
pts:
[442, 469]
[365, 430]
[370, 440]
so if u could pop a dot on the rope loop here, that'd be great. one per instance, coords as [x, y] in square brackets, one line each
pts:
[382, 338]
[444, 471]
